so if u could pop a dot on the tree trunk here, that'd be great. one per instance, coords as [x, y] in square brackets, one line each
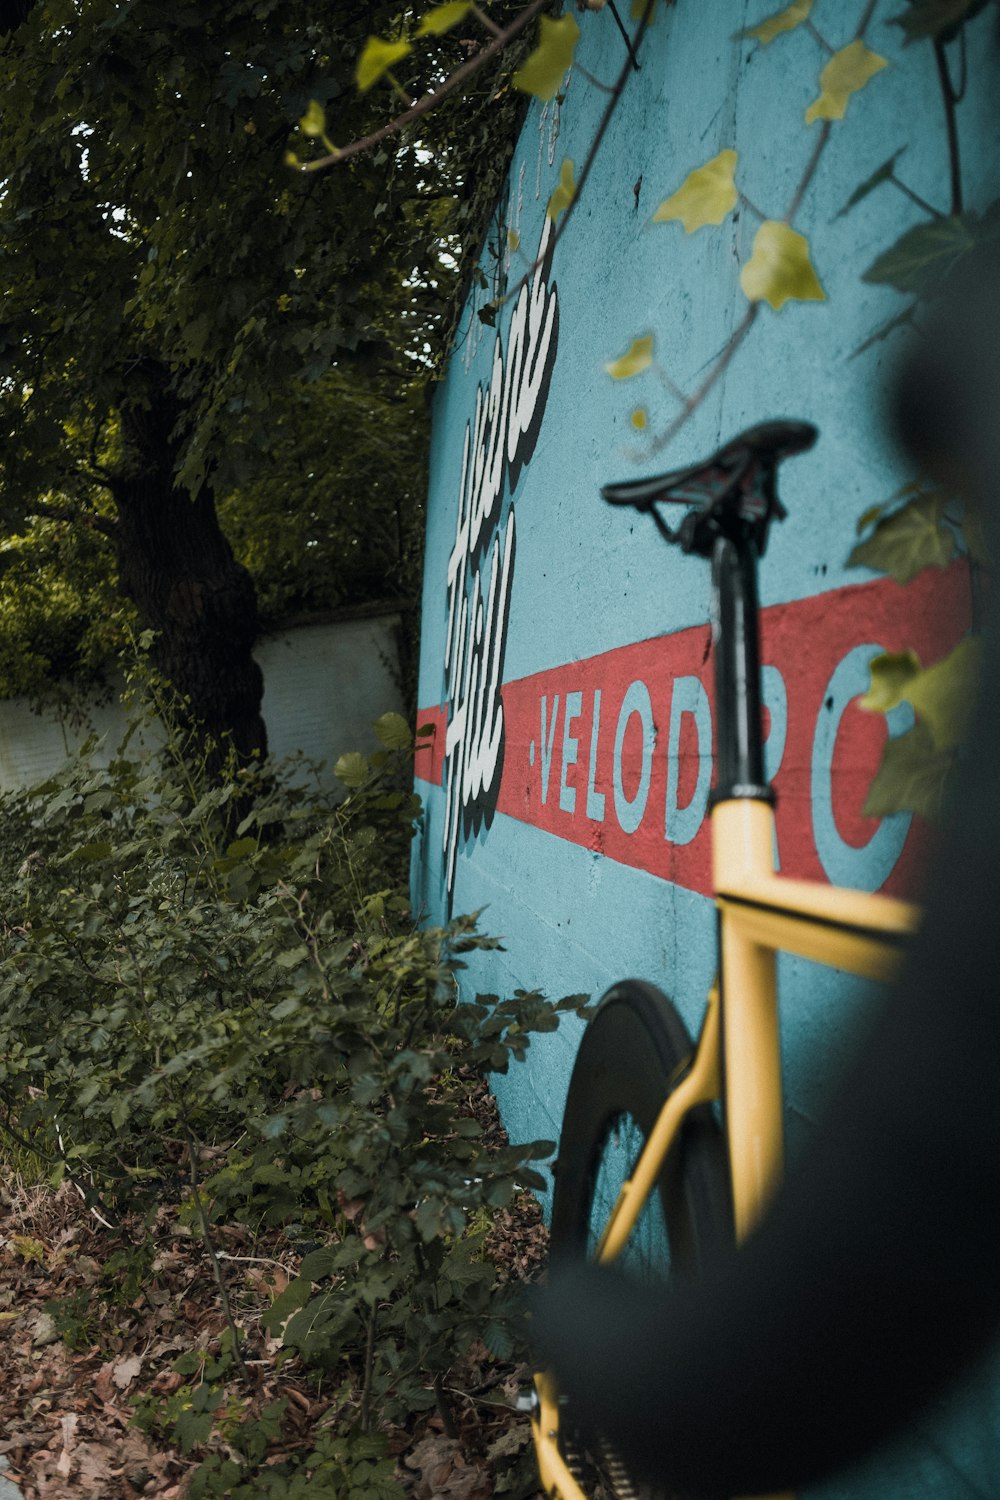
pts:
[177, 567]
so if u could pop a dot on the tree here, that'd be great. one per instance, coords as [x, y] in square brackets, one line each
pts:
[179, 303]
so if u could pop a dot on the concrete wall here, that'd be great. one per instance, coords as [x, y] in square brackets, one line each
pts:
[565, 650]
[325, 685]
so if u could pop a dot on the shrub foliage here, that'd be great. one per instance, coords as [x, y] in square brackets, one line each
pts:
[237, 1017]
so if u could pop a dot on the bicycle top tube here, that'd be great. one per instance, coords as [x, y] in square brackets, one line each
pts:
[734, 498]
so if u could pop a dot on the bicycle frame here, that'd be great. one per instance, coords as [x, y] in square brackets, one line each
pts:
[736, 1060]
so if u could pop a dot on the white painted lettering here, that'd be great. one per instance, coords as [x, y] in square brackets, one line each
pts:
[629, 810]
[595, 799]
[499, 440]
[570, 746]
[547, 742]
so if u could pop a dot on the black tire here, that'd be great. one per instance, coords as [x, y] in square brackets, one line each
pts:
[633, 1053]
[630, 1057]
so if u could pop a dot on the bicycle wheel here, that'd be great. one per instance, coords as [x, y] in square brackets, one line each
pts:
[632, 1054]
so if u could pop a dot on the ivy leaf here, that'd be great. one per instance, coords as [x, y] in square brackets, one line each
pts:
[884, 173]
[914, 766]
[351, 769]
[779, 270]
[923, 256]
[783, 20]
[706, 196]
[936, 18]
[543, 71]
[910, 539]
[912, 777]
[638, 358]
[313, 122]
[890, 673]
[443, 17]
[376, 59]
[564, 194]
[392, 731]
[847, 71]
[944, 694]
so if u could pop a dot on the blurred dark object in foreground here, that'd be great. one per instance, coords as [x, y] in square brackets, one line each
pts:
[872, 1285]
[946, 405]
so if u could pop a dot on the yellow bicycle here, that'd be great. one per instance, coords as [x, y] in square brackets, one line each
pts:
[668, 1147]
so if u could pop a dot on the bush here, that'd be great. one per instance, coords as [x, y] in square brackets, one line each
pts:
[236, 1017]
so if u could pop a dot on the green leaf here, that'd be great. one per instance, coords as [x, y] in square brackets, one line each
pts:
[908, 540]
[884, 173]
[443, 17]
[848, 71]
[498, 1340]
[290, 958]
[392, 731]
[912, 777]
[295, 1296]
[318, 1264]
[352, 769]
[921, 258]
[376, 59]
[563, 195]
[91, 852]
[636, 359]
[543, 71]
[783, 20]
[944, 694]
[936, 18]
[779, 269]
[706, 196]
[313, 122]
[240, 848]
[891, 673]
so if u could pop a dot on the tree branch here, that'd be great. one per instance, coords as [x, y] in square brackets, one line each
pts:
[428, 101]
[950, 97]
[715, 374]
[616, 92]
[49, 512]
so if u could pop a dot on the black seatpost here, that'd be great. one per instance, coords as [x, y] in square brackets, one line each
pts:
[739, 756]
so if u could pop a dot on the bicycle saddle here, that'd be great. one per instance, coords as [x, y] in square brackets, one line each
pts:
[742, 470]
[767, 443]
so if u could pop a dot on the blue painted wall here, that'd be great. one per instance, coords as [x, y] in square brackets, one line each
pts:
[583, 582]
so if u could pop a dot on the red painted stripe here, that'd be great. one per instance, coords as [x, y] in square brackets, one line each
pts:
[429, 749]
[805, 640]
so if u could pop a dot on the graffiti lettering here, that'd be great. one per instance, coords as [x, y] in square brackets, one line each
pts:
[499, 441]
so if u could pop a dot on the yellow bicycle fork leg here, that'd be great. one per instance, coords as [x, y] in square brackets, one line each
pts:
[700, 1086]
